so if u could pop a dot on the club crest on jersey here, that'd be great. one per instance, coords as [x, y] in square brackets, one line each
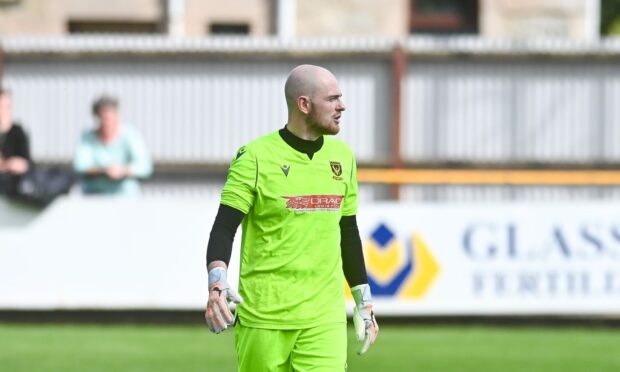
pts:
[336, 169]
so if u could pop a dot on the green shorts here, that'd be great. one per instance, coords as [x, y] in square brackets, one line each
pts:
[319, 349]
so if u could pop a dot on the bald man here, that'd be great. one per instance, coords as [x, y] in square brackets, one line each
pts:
[296, 192]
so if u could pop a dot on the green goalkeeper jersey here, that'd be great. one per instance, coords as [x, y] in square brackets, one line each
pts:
[291, 268]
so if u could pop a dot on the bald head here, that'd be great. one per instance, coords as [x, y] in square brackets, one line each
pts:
[314, 102]
[305, 80]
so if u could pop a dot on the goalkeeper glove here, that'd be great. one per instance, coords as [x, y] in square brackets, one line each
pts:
[218, 314]
[366, 326]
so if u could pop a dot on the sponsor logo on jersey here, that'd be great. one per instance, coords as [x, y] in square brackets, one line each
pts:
[285, 168]
[336, 169]
[313, 203]
[401, 268]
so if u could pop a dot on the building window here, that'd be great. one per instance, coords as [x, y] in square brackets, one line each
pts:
[229, 29]
[112, 27]
[9, 2]
[444, 17]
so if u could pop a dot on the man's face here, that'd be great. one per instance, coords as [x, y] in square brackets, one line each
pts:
[6, 112]
[108, 120]
[327, 107]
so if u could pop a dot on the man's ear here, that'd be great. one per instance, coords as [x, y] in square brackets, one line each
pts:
[304, 104]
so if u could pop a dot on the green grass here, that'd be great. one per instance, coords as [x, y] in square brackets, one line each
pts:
[399, 348]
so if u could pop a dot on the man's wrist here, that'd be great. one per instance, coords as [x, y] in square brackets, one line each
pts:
[217, 274]
[217, 263]
[361, 294]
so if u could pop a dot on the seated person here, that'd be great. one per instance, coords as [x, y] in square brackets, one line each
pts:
[112, 157]
[14, 147]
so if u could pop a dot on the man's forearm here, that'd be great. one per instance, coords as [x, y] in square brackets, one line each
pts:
[222, 235]
[353, 265]
[16, 165]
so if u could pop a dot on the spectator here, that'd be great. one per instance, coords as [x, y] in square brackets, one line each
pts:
[111, 158]
[14, 147]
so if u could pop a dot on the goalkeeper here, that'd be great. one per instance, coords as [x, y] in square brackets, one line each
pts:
[295, 191]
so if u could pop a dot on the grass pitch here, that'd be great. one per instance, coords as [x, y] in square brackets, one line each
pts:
[399, 348]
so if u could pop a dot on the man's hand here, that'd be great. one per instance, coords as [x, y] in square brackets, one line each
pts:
[14, 165]
[366, 326]
[116, 172]
[218, 314]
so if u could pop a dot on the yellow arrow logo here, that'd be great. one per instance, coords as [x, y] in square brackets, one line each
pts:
[405, 271]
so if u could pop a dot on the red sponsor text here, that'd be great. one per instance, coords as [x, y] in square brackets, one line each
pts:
[312, 203]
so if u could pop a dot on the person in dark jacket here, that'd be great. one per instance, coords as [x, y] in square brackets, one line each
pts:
[14, 147]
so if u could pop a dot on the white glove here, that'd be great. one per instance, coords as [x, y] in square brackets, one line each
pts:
[218, 314]
[366, 326]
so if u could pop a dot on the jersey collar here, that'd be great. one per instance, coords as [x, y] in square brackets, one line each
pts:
[301, 145]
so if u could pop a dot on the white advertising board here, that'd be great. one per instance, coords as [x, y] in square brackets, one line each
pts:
[422, 259]
[493, 259]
